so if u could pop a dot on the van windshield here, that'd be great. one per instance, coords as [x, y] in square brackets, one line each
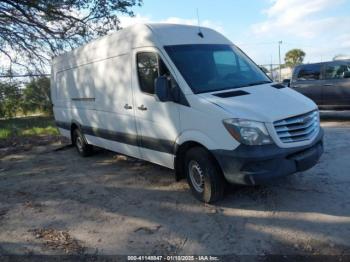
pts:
[208, 68]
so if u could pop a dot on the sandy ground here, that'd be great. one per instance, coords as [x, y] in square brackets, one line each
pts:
[55, 202]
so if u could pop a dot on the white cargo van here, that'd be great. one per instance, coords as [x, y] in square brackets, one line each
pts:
[187, 99]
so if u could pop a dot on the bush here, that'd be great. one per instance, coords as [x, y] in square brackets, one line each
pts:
[32, 97]
[36, 96]
[10, 99]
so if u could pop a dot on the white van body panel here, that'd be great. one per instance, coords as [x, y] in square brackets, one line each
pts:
[205, 118]
[264, 103]
[259, 106]
[198, 137]
[96, 87]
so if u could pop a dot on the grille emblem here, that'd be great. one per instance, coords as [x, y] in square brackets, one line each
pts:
[297, 128]
[305, 120]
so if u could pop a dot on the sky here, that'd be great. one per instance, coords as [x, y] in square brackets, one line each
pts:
[319, 27]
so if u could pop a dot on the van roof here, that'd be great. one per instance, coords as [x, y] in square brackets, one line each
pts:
[139, 35]
[177, 34]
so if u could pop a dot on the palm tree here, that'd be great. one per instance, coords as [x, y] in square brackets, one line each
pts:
[294, 57]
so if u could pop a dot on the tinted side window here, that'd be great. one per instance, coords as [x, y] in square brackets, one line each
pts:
[337, 71]
[147, 69]
[309, 72]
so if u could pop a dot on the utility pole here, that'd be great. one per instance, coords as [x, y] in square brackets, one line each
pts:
[271, 70]
[279, 57]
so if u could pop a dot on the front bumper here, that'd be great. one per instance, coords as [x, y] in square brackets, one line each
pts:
[252, 165]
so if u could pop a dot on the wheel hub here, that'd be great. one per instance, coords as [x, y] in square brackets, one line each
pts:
[196, 176]
[79, 144]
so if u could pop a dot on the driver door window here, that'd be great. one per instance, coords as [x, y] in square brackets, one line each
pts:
[149, 67]
[147, 70]
[309, 72]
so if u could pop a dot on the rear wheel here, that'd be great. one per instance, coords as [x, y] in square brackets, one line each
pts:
[83, 148]
[203, 175]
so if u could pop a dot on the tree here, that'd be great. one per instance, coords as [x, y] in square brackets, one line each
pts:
[36, 96]
[10, 99]
[294, 57]
[31, 31]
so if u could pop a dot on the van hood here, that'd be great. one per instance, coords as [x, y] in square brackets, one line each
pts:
[263, 103]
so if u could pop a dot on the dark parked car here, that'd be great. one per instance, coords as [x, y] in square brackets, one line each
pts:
[327, 83]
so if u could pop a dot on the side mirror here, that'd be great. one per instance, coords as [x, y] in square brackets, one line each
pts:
[347, 74]
[286, 82]
[264, 69]
[162, 89]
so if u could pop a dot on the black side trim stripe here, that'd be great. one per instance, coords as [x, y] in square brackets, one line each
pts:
[111, 135]
[83, 99]
[160, 145]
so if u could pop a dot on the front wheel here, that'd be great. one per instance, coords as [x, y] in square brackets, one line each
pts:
[203, 175]
[83, 148]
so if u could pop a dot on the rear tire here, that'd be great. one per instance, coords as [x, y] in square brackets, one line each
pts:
[79, 141]
[204, 176]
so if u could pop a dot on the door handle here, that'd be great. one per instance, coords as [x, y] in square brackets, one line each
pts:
[142, 108]
[127, 107]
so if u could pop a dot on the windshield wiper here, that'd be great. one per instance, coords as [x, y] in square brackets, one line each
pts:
[250, 84]
[258, 83]
[234, 87]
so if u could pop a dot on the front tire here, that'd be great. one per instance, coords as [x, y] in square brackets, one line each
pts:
[83, 148]
[203, 175]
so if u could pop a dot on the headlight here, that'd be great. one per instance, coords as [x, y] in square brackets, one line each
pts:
[248, 132]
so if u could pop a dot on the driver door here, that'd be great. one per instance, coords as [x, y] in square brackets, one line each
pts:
[309, 82]
[158, 123]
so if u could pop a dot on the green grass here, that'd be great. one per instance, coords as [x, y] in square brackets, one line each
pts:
[27, 126]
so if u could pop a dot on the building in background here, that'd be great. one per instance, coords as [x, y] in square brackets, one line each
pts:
[341, 57]
[273, 71]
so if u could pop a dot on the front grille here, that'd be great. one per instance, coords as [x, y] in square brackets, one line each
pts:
[298, 128]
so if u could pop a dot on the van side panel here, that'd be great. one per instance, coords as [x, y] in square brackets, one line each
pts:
[113, 119]
[113, 84]
[94, 95]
